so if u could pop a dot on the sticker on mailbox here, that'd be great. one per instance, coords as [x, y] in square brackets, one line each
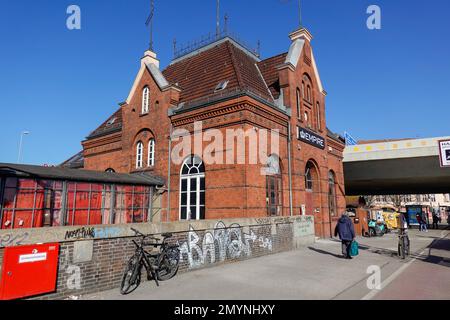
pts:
[35, 257]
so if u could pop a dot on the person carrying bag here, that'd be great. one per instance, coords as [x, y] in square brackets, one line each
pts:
[346, 231]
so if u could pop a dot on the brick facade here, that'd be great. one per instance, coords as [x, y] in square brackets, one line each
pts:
[266, 98]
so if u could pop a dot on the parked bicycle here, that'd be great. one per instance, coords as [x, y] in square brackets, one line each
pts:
[160, 266]
[403, 243]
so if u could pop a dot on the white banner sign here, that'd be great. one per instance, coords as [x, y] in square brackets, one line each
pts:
[27, 258]
[444, 153]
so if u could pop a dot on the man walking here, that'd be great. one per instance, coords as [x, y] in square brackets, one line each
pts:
[435, 220]
[346, 232]
[424, 221]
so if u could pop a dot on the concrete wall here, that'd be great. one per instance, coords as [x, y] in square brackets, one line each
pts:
[92, 258]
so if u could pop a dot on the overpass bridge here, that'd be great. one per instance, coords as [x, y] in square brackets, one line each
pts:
[395, 167]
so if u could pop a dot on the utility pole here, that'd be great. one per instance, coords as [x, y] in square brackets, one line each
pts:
[20, 145]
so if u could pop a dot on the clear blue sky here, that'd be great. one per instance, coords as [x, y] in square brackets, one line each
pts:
[62, 84]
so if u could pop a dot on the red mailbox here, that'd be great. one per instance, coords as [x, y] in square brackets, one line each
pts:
[29, 270]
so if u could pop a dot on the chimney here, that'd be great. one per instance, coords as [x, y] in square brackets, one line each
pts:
[150, 58]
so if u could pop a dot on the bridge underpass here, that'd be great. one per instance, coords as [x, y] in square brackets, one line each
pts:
[395, 167]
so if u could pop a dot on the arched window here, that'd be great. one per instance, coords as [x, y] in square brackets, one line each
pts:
[303, 89]
[308, 94]
[319, 125]
[311, 177]
[151, 153]
[299, 115]
[110, 170]
[192, 189]
[332, 203]
[145, 100]
[139, 154]
[309, 184]
[274, 187]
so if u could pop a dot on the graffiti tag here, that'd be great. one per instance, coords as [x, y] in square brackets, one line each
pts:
[222, 243]
[13, 239]
[81, 233]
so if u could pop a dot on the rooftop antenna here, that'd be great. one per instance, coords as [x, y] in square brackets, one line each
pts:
[258, 52]
[226, 23]
[174, 46]
[300, 13]
[218, 19]
[149, 22]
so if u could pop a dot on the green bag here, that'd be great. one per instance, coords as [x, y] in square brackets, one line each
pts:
[354, 249]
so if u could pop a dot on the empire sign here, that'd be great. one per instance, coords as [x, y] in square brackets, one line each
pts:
[310, 138]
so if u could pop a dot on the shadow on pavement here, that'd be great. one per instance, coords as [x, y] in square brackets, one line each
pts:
[326, 252]
[438, 244]
[381, 251]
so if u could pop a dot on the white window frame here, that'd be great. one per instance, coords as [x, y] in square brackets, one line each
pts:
[139, 155]
[151, 153]
[145, 100]
[188, 178]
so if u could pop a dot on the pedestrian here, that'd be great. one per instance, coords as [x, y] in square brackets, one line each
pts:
[419, 221]
[424, 222]
[435, 220]
[346, 231]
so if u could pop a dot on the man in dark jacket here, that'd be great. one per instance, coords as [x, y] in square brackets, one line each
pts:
[346, 232]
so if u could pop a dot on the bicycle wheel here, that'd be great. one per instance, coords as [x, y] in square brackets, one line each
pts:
[169, 264]
[401, 249]
[131, 278]
[407, 246]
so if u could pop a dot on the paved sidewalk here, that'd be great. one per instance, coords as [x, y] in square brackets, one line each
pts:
[315, 272]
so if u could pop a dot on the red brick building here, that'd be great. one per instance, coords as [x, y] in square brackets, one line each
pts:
[226, 86]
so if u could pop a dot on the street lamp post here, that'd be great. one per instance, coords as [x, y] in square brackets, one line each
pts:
[20, 145]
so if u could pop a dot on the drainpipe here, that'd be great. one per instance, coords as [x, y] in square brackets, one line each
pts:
[289, 140]
[168, 173]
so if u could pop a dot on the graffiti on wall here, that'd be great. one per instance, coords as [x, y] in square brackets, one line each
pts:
[92, 233]
[11, 239]
[81, 233]
[222, 243]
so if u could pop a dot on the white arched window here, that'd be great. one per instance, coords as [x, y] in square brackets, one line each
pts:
[139, 154]
[145, 100]
[319, 124]
[332, 201]
[299, 115]
[151, 153]
[192, 189]
[274, 186]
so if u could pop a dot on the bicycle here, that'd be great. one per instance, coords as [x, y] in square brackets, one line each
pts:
[403, 244]
[160, 266]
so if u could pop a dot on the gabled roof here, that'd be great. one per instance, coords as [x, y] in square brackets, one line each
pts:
[268, 68]
[74, 162]
[198, 75]
[113, 124]
[60, 173]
